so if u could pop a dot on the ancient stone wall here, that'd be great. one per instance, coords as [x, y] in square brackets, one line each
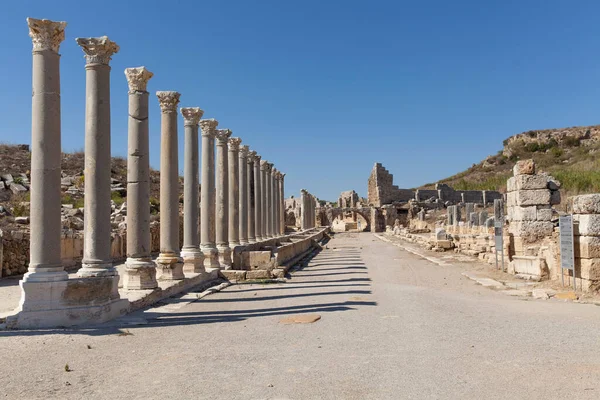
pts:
[586, 221]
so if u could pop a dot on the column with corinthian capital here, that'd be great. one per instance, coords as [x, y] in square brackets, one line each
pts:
[207, 195]
[193, 262]
[45, 225]
[169, 262]
[222, 188]
[234, 192]
[243, 198]
[97, 260]
[140, 270]
[251, 196]
[281, 203]
[264, 166]
[258, 234]
[276, 229]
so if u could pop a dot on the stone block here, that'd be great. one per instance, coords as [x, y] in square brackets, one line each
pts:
[517, 213]
[444, 244]
[233, 274]
[586, 224]
[587, 247]
[586, 204]
[17, 188]
[524, 167]
[531, 231]
[258, 274]
[511, 199]
[259, 258]
[536, 197]
[529, 182]
[544, 214]
[555, 197]
[587, 268]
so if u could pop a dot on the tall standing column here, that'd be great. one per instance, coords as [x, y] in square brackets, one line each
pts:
[251, 197]
[257, 199]
[222, 186]
[234, 192]
[275, 204]
[303, 209]
[207, 195]
[44, 260]
[268, 201]
[281, 204]
[264, 165]
[193, 262]
[140, 270]
[243, 200]
[169, 262]
[97, 260]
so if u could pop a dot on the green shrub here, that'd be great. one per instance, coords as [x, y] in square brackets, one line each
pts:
[117, 198]
[571, 141]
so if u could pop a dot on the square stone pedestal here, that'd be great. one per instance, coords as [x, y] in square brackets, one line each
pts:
[78, 301]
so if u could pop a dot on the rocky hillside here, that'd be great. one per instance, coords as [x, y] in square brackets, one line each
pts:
[15, 161]
[571, 155]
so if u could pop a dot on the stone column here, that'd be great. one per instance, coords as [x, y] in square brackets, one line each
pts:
[303, 209]
[97, 260]
[140, 270]
[193, 262]
[169, 262]
[275, 174]
[251, 196]
[234, 192]
[268, 201]
[257, 200]
[282, 203]
[264, 165]
[207, 195]
[222, 186]
[45, 263]
[243, 200]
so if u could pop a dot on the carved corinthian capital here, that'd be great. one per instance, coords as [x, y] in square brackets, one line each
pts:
[208, 127]
[264, 165]
[223, 135]
[252, 157]
[98, 50]
[234, 144]
[191, 115]
[244, 151]
[137, 78]
[168, 101]
[46, 34]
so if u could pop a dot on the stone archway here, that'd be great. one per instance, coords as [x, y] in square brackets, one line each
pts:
[328, 215]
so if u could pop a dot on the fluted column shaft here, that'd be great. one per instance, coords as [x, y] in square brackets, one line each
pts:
[222, 188]
[269, 201]
[243, 199]
[140, 270]
[257, 200]
[169, 262]
[97, 260]
[234, 192]
[263, 199]
[207, 195]
[45, 222]
[190, 252]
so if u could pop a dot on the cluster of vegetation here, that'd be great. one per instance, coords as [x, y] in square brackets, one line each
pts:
[68, 199]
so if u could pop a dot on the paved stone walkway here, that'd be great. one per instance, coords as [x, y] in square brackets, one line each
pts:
[392, 326]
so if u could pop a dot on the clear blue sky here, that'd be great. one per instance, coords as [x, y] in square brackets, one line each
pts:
[324, 89]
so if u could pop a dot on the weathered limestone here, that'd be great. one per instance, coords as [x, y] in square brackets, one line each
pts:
[264, 192]
[140, 270]
[243, 194]
[222, 188]
[276, 230]
[193, 261]
[269, 200]
[258, 230]
[586, 226]
[469, 208]
[45, 264]
[252, 195]
[234, 191]
[207, 195]
[281, 204]
[169, 262]
[304, 209]
[586, 204]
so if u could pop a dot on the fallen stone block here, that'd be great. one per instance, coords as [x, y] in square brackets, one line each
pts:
[17, 188]
[524, 167]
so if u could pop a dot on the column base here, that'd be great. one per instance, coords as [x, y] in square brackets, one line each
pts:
[211, 261]
[244, 242]
[251, 240]
[169, 267]
[224, 256]
[46, 273]
[140, 274]
[193, 261]
[89, 270]
[79, 301]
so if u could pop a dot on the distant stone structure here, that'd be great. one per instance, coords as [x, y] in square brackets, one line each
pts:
[381, 191]
[348, 198]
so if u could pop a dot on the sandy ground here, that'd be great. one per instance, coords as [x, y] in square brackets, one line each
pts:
[393, 326]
